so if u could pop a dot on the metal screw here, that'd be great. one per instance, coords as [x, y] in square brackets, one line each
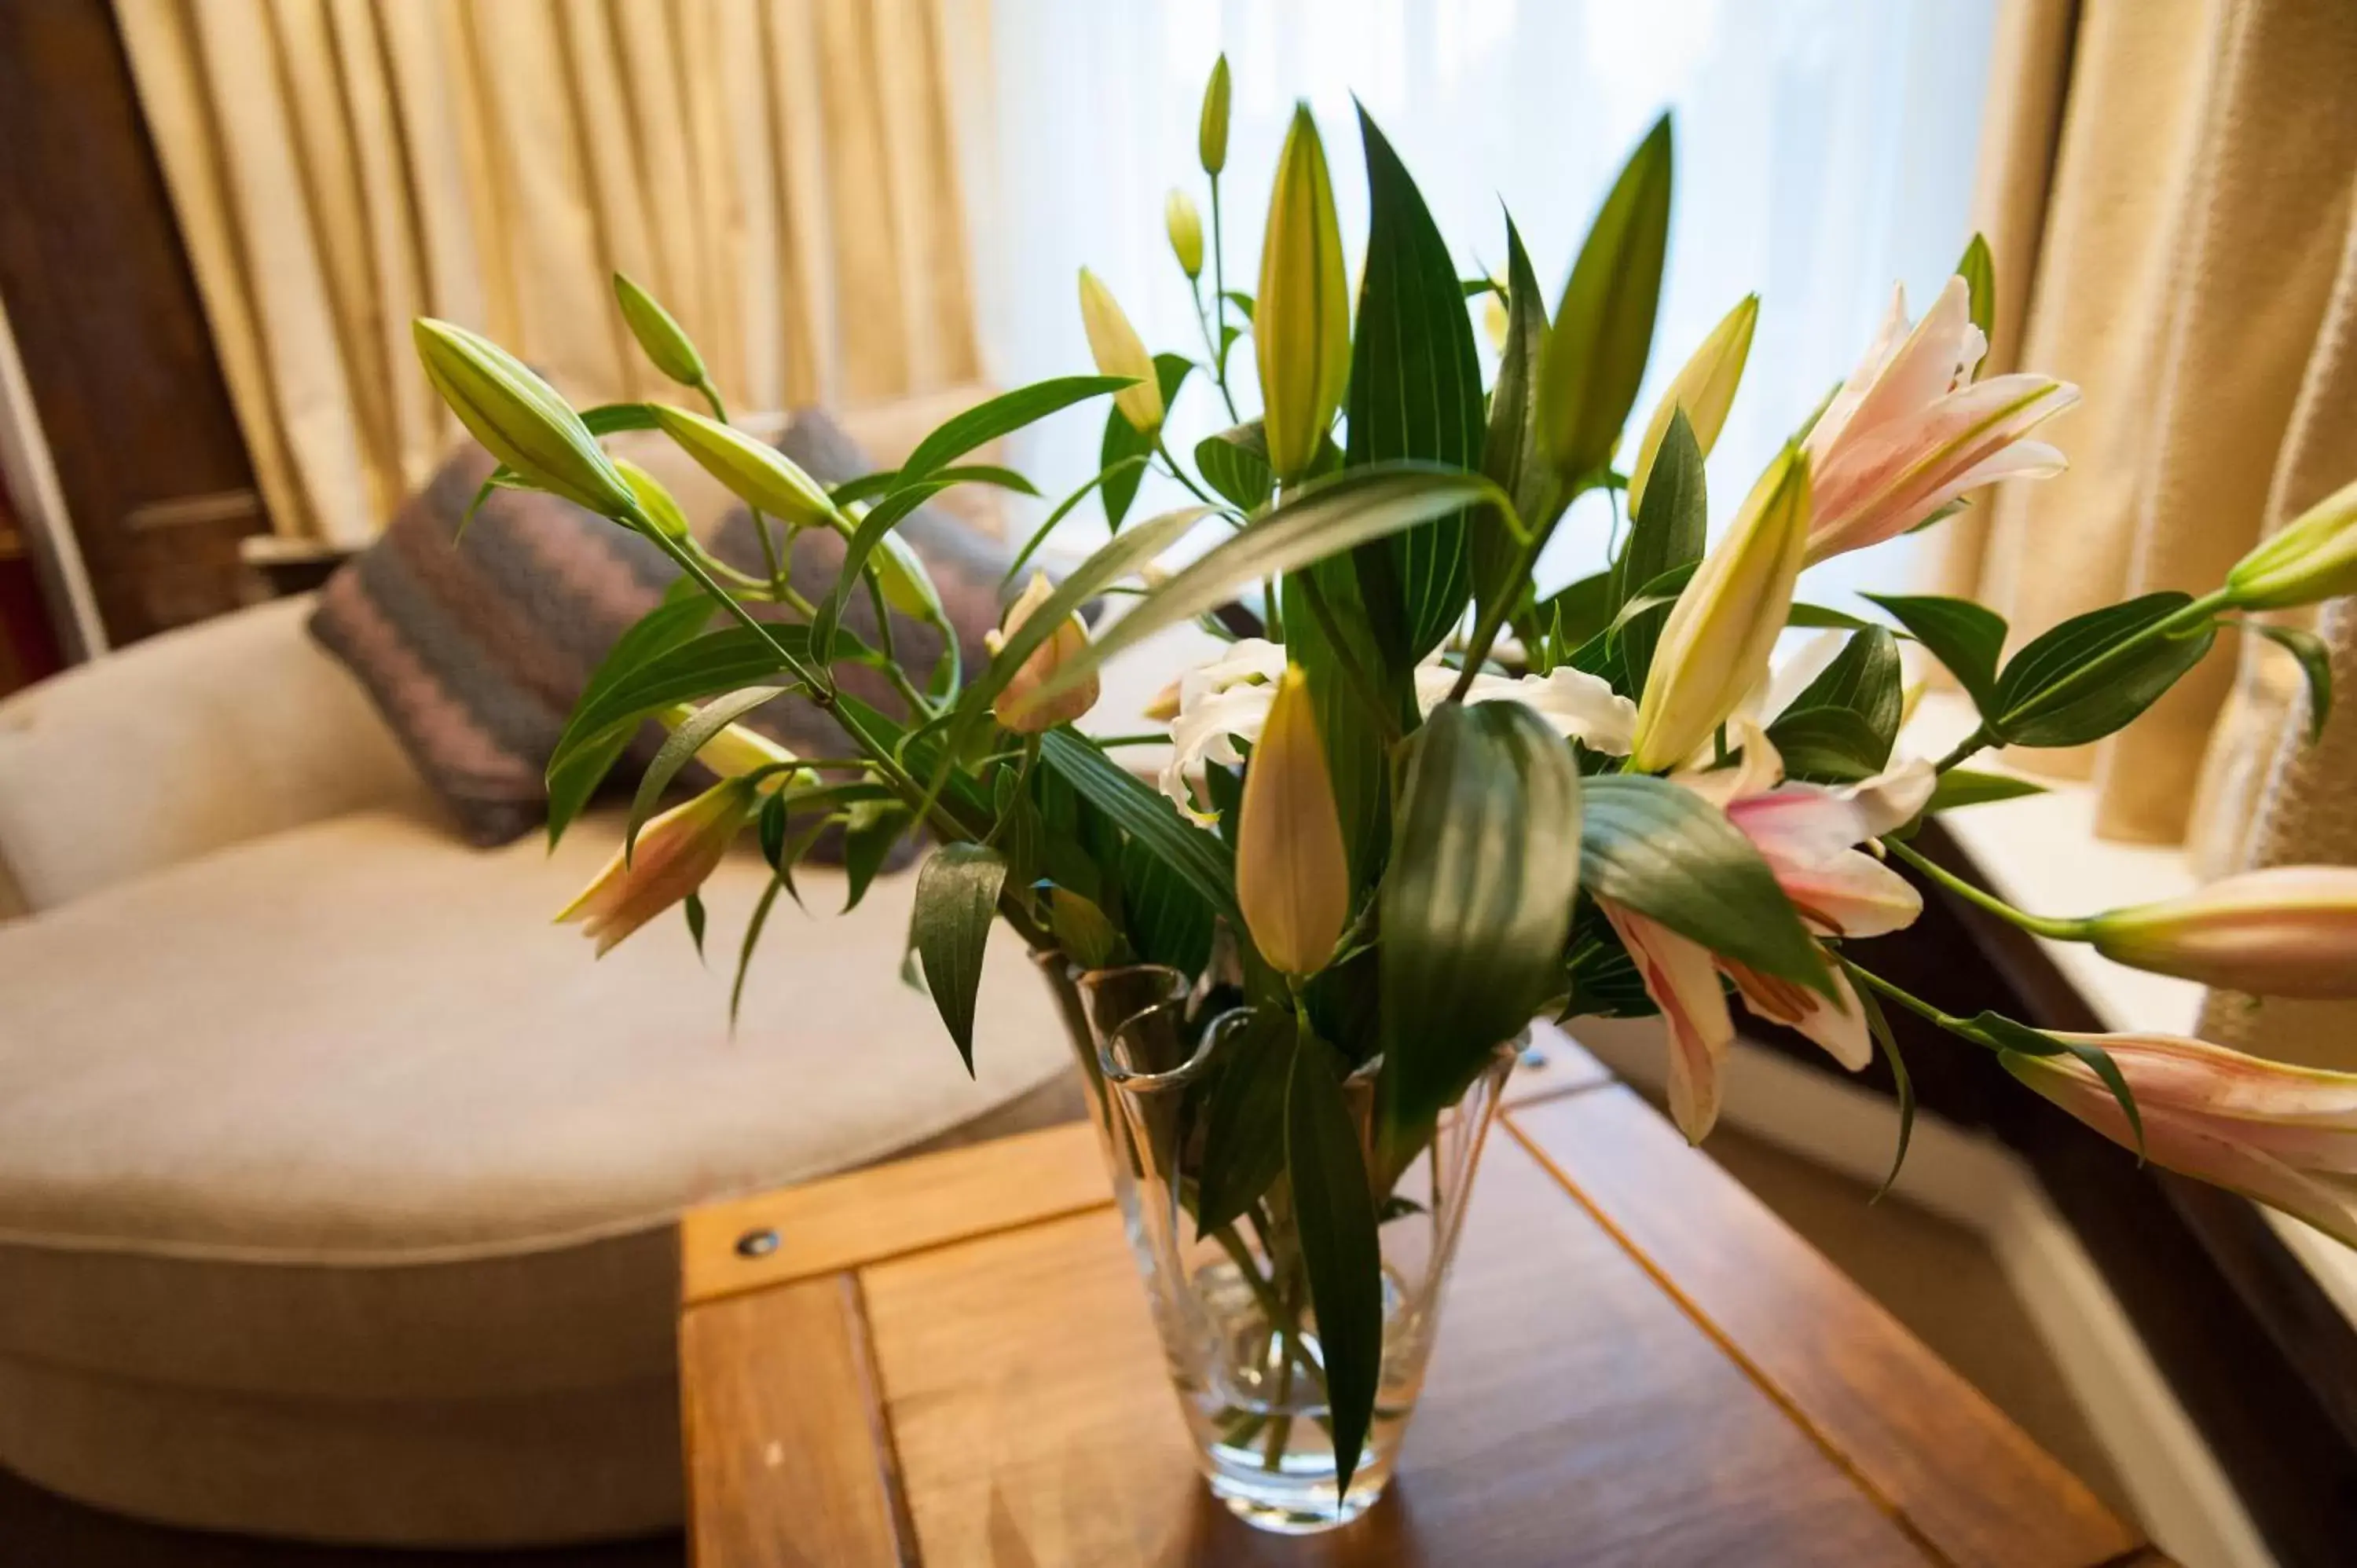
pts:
[1533, 1057]
[757, 1243]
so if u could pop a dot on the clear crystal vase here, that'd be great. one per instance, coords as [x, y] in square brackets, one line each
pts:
[1232, 1306]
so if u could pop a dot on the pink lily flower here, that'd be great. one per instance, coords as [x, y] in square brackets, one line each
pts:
[1807, 834]
[2286, 1136]
[1909, 431]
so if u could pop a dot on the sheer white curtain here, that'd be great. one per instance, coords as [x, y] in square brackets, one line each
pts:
[1824, 151]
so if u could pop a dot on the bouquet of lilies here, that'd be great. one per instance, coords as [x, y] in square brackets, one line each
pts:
[1422, 797]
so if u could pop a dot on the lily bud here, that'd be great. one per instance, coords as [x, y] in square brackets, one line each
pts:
[2284, 1136]
[1017, 708]
[1186, 226]
[1704, 388]
[1301, 320]
[1716, 641]
[1212, 131]
[675, 853]
[666, 341]
[764, 478]
[2312, 557]
[1115, 346]
[1293, 873]
[2288, 930]
[519, 418]
[655, 502]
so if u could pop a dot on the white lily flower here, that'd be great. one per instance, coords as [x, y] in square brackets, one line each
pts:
[1226, 702]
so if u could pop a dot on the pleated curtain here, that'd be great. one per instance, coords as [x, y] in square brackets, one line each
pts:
[2167, 187]
[781, 173]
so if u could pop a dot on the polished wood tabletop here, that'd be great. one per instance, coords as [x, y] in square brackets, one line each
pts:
[948, 1361]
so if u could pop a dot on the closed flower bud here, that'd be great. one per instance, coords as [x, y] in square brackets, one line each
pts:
[519, 418]
[665, 340]
[1212, 131]
[655, 503]
[1115, 346]
[1293, 873]
[764, 478]
[1186, 226]
[1704, 388]
[1301, 321]
[675, 853]
[1715, 643]
[2288, 930]
[1019, 708]
[2312, 557]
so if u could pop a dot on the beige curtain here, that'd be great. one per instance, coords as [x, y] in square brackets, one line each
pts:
[2166, 185]
[780, 172]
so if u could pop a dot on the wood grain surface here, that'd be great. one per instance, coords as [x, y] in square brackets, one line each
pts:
[1638, 1364]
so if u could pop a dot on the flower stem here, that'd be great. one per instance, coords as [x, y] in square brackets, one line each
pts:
[1979, 739]
[1180, 473]
[2039, 925]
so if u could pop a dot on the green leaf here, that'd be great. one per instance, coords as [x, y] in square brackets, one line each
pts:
[2008, 1036]
[1660, 848]
[2049, 694]
[1169, 922]
[868, 487]
[1124, 440]
[2315, 662]
[880, 521]
[1828, 746]
[1879, 1027]
[1580, 611]
[1335, 1212]
[1603, 331]
[1002, 415]
[613, 418]
[693, 906]
[1510, 454]
[1327, 517]
[1966, 637]
[957, 900]
[1669, 532]
[1961, 787]
[1355, 741]
[1083, 930]
[1485, 862]
[1979, 274]
[1863, 684]
[1415, 392]
[1243, 1131]
[1200, 859]
[1242, 301]
[1063, 509]
[679, 749]
[870, 829]
[753, 939]
[573, 779]
[1235, 463]
[724, 661]
[1820, 617]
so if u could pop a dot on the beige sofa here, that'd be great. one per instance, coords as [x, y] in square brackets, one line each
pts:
[336, 1183]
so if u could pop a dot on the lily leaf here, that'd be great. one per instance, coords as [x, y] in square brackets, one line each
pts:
[574, 778]
[1124, 440]
[1002, 415]
[1510, 447]
[957, 900]
[1235, 463]
[1961, 787]
[1966, 637]
[679, 749]
[1669, 532]
[2049, 696]
[1200, 860]
[1335, 1212]
[2315, 662]
[1660, 848]
[868, 487]
[1243, 1133]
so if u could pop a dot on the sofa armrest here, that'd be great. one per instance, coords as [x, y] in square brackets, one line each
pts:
[184, 744]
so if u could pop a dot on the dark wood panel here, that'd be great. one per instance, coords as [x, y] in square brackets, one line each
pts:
[1964, 1479]
[110, 326]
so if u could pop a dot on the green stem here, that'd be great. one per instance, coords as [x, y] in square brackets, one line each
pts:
[1979, 739]
[1220, 305]
[1211, 347]
[1911, 1002]
[2039, 924]
[1180, 473]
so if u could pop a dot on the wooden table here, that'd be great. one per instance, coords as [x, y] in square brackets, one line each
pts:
[948, 1361]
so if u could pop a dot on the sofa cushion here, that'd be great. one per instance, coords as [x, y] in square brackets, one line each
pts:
[360, 1042]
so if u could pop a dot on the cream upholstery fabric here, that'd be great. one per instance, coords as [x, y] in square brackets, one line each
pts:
[185, 743]
[336, 1183]
[2181, 237]
[780, 173]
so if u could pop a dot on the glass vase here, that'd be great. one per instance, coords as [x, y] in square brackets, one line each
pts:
[1233, 1307]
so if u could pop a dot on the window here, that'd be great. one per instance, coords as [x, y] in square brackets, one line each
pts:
[1825, 152]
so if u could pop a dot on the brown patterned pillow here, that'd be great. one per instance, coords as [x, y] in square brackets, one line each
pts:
[476, 651]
